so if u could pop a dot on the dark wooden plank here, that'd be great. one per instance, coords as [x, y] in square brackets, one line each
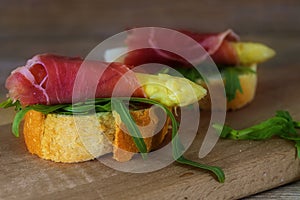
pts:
[289, 191]
[86, 18]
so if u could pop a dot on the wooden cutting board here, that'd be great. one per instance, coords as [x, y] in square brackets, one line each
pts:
[250, 166]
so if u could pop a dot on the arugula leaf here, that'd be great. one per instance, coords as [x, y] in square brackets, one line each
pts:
[281, 125]
[216, 170]
[9, 103]
[120, 108]
[190, 73]
[46, 109]
[290, 129]
[224, 131]
[103, 108]
[296, 125]
[264, 130]
[17, 120]
[6, 104]
[232, 82]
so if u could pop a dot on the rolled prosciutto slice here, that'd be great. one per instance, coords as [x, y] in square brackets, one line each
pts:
[217, 45]
[50, 79]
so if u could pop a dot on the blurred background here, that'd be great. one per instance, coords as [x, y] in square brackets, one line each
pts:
[75, 27]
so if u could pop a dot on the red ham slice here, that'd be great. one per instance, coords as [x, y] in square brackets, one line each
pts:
[216, 44]
[49, 79]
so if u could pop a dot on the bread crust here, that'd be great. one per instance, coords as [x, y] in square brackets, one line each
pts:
[248, 83]
[69, 139]
[124, 147]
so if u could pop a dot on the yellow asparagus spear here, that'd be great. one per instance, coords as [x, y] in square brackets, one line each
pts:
[250, 53]
[170, 90]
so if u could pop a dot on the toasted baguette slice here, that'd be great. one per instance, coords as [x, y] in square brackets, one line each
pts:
[248, 83]
[69, 139]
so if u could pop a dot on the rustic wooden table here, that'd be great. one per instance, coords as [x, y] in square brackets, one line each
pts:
[75, 27]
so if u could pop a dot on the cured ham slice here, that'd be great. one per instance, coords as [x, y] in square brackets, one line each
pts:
[50, 79]
[217, 45]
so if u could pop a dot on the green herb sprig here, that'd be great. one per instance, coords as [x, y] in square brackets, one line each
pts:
[121, 109]
[118, 104]
[281, 125]
[232, 83]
